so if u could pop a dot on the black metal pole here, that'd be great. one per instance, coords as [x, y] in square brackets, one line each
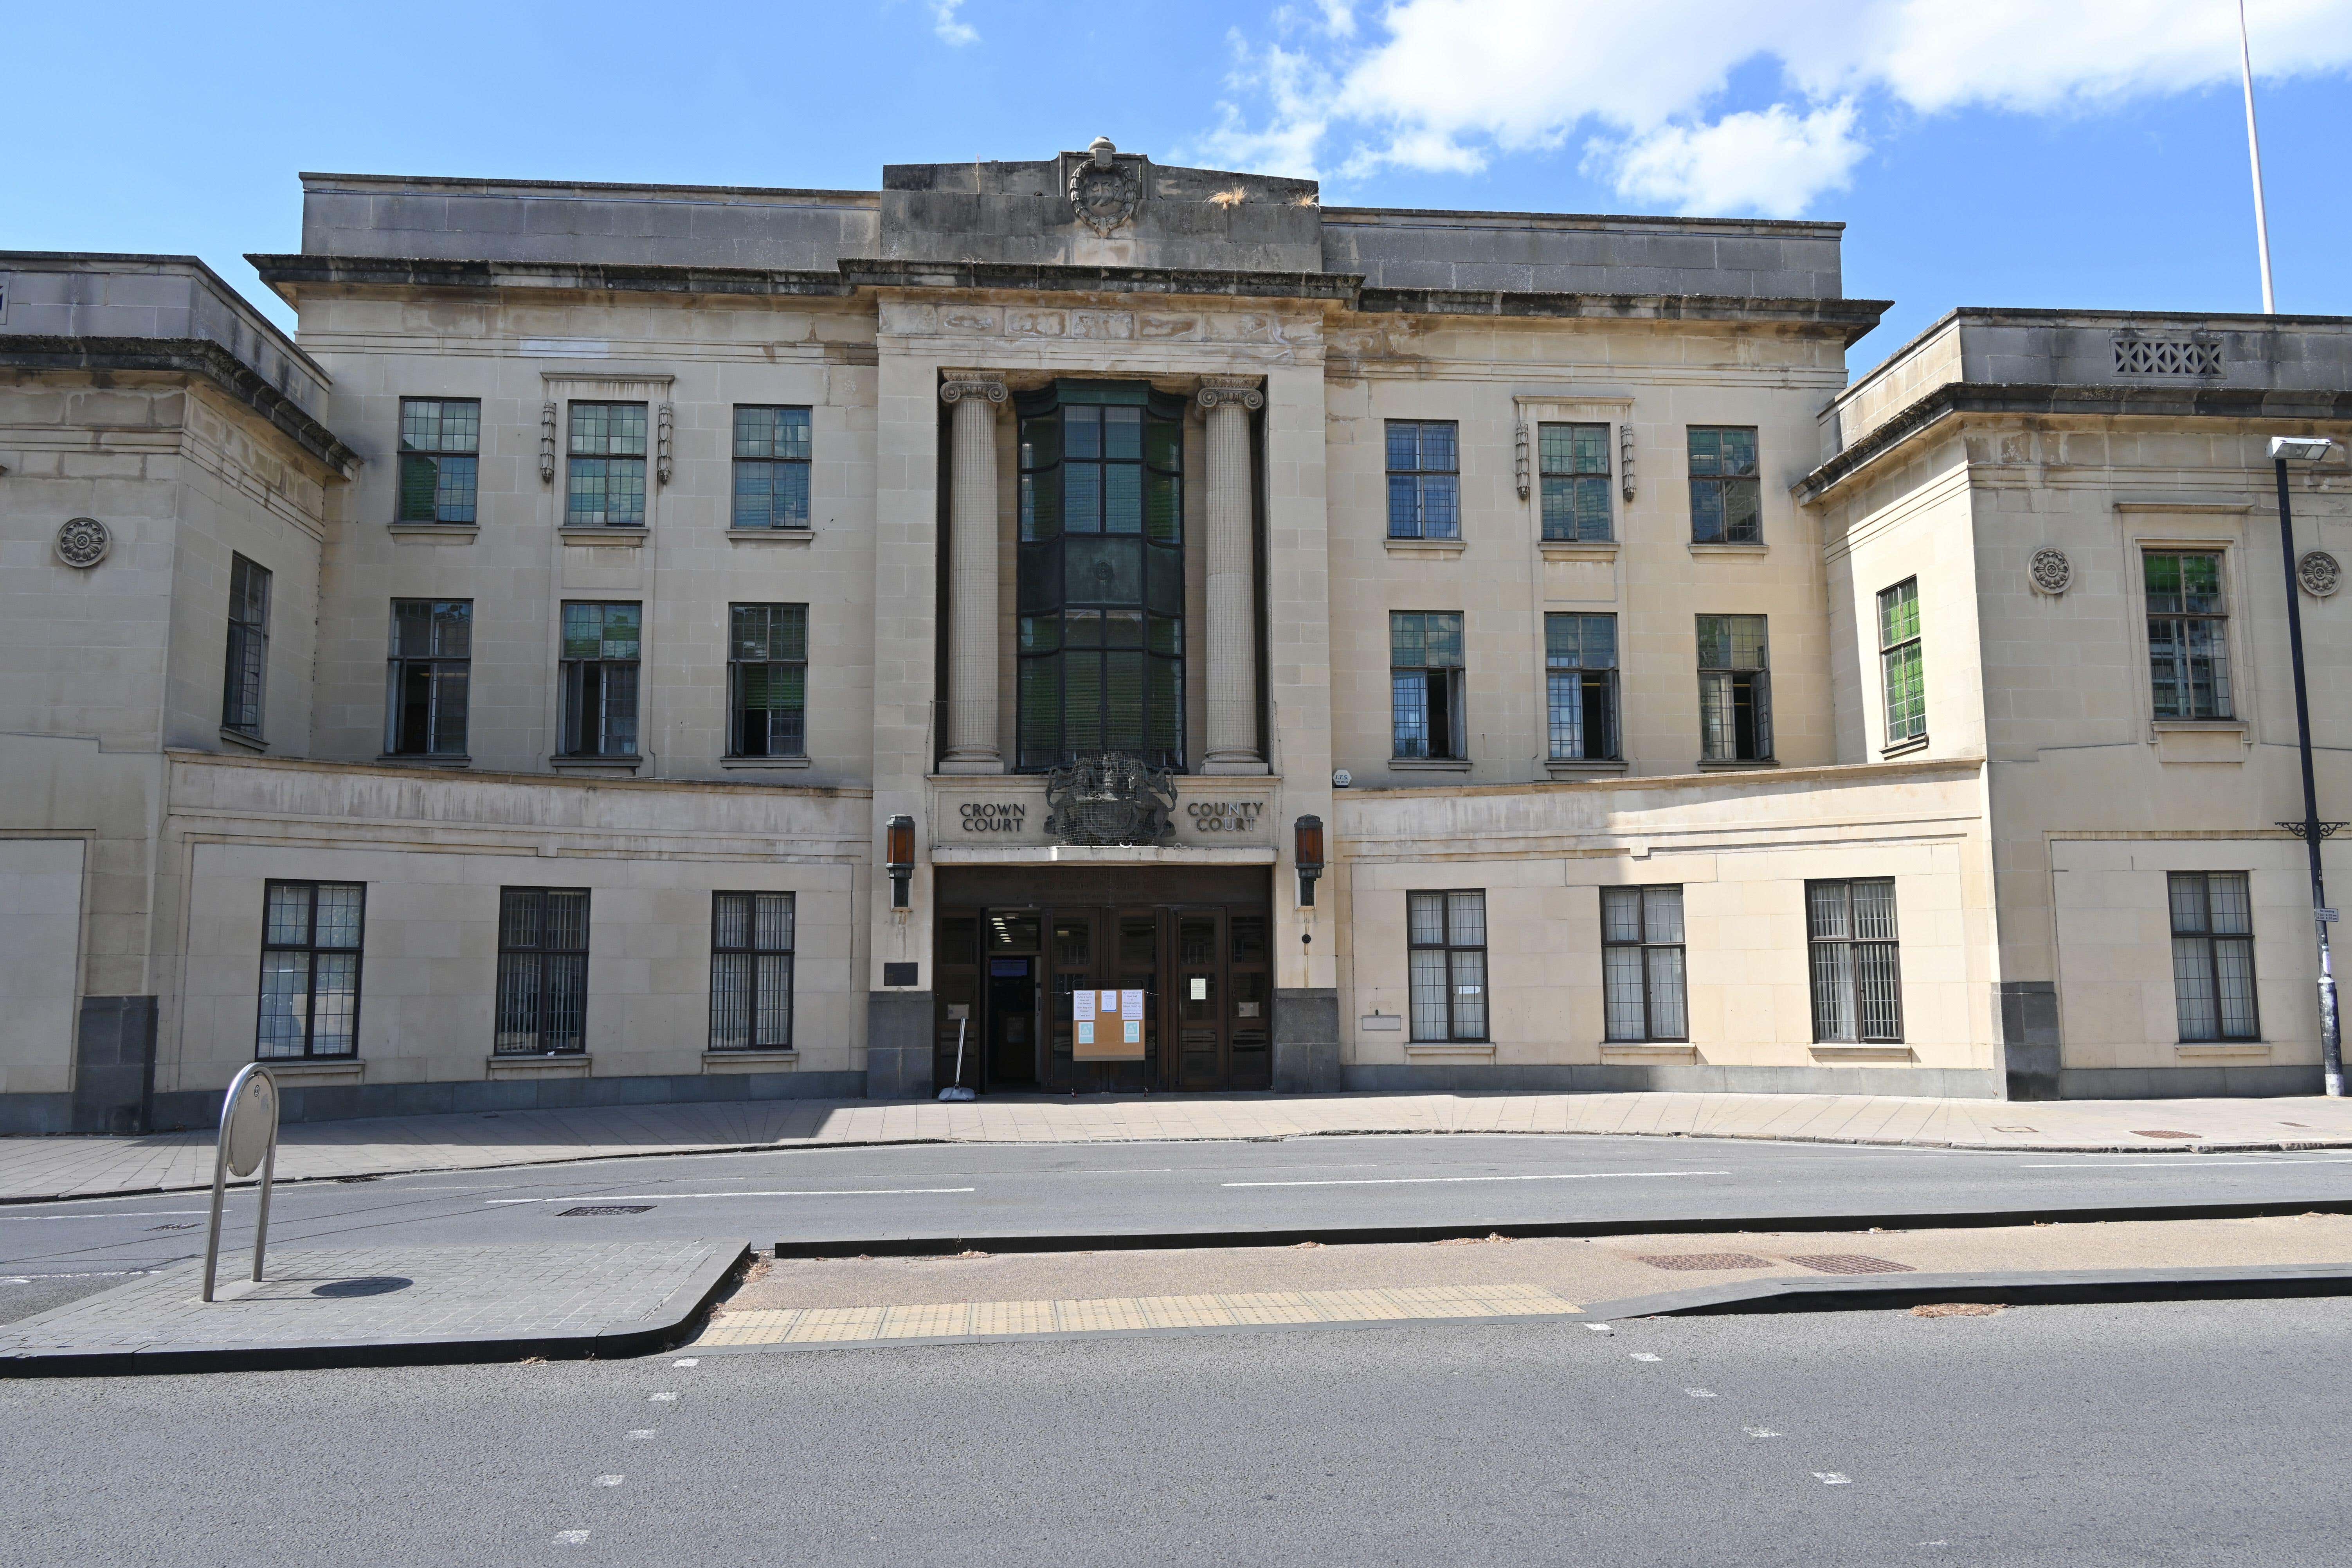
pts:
[2331, 1041]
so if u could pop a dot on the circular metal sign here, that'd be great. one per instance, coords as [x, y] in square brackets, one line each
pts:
[249, 1120]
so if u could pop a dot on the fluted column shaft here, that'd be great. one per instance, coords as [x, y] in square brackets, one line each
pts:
[971, 733]
[1231, 548]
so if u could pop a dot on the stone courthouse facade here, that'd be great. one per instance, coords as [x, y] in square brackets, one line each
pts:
[1141, 628]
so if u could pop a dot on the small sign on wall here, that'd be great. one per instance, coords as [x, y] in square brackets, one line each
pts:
[1109, 1026]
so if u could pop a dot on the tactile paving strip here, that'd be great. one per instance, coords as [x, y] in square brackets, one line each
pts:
[1700, 1260]
[1850, 1263]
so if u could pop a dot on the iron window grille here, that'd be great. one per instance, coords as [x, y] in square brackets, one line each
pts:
[1425, 675]
[2188, 634]
[1101, 574]
[247, 663]
[1727, 505]
[767, 680]
[1644, 988]
[601, 646]
[432, 669]
[771, 468]
[440, 439]
[311, 938]
[605, 484]
[1580, 687]
[1900, 670]
[1424, 479]
[542, 972]
[1575, 463]
[1856, 962]
[1447, 933]
[751, 971]
[2213, 955]
[1734, 690]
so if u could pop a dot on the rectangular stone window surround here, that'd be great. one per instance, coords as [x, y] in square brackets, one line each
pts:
[604, 383]
[2215, 527]
[1581, 405]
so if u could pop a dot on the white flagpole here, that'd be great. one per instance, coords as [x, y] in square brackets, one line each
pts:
[2254, 151]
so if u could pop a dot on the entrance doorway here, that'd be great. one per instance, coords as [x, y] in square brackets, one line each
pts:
[1017, 945]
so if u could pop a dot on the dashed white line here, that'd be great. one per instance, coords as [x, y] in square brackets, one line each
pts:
[1426, 1181]
[1644, 1355]
[1700, 1393]
[2157, 1160]
[571, 1537]
[1832, 1478]
[661, 1399]
[1759, 1432]
[610, 1480]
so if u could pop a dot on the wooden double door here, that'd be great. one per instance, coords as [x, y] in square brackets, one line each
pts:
[1205, 972]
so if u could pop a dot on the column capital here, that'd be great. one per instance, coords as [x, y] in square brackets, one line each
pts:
[1243, 392]
[955, 386]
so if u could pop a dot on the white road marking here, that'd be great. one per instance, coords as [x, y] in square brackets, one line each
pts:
[1644, 1355]
[141, 1214]
[1700, 1393]
[1601, 1328]
[1759, 1432]
[2168, 1164]
[691, 1361]
[661, 1399]
[812, 1192]
[610, 1480]
[571, 1537]
[1424, 1181]
[644, 1431]
[1831, 1478]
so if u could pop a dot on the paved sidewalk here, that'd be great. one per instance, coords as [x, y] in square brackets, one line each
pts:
[381, 1305]
[36, 1168]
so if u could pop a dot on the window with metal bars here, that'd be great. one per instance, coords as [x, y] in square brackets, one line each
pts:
[1645, 990]
[247, 665]
[1446, 933]
[2213, 955]
[310, 935]
[1426, 684]
[771, 468]
[600, 645]
[1580, 687]
[1424, 479]
[2188, 634]
[1899, 667]
[767, 680]
[1856, 962]
[1575, 463]
[440, 439]
[605, 482]
[751, 971]
[431, 672]
[1725, 499]
[1734, 690]
[542, 1004]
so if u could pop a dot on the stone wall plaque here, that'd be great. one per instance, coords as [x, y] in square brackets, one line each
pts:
[83, 542]
[2320, 572]
[2051, 572]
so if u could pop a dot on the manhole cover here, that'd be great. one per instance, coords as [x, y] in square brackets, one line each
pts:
[373, 1285]
[1695, 1260]
[589, 1211]
[2159, 1132]
[1850, 1263]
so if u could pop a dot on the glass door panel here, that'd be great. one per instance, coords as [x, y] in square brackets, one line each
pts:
[1200, 1001]
[1250, 982]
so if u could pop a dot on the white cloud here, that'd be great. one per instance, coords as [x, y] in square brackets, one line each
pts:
[1444, 84]
[949, 29]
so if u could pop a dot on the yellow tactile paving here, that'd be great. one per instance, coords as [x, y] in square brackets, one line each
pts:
[1126, 1314]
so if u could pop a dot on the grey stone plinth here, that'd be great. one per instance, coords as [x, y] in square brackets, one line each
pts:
[1307, 1041]
[114, 1064]
[898, 1045]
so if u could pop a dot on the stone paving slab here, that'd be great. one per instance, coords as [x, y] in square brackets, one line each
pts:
[35, 1169]
[377, 1305]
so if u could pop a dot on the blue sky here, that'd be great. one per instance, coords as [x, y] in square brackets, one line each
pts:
[2000, 152]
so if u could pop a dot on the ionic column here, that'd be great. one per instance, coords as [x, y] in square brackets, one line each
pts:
[971, 586]
[1232, 550]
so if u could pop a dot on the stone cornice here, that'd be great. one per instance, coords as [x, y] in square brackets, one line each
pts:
[1849, 318]
[279, 271]
[1957, 398]
[185, 357]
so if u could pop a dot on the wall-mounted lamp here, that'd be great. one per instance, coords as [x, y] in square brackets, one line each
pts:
[898, 856]
[1307, 843]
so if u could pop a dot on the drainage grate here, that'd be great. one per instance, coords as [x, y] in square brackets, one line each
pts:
[1708, 1260]
[189, 1225]
[2160, 1133]
[591, 1211]
[1851, 1263]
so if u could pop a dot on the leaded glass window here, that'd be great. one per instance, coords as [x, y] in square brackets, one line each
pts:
[1575, 463]
[1726, 506]
[1426, 684]
[309, 970]
[1645, 990]
[2213, 955]
[1734, 690]
[607, 480]
[600, 647]
[767, 680]
[1580, 687]
[771, 468]
[1424, 479]
[751, 971]
[1446, 941]
[1899, 667]
[439, 468]
[432, 668]
[246, 669]
[2188, 634]
[1857, 970]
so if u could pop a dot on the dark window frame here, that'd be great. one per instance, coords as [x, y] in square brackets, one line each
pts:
[445, 679]
[245, 674]
[1574, 475]
[1425, 491]
[1430, 688]
[780, 736]
[2205, 934]
[2185, 627]
[439, 482]
[1572, 672]
[597, 683]
[755, 1019]
[545, 985]
[1850, 976]
[604, 455]
[1731, 687]
[1727, 498]
[1459, 957]
[313, 950]
[1641, 942]
[779, 468]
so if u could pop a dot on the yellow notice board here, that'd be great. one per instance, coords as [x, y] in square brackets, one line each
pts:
[1109, 1026]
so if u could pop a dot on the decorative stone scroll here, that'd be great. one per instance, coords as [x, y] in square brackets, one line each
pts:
[1103, 193]
[2051, 572]
[1221, 395]
[1112, 800]
[955, 386]
[2320, 572]
[83, 542]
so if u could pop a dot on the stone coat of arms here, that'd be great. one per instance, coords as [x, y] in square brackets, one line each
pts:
[1112, 800]
[1104, 191]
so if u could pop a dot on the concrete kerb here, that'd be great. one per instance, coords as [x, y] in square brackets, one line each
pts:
[2016, 1288]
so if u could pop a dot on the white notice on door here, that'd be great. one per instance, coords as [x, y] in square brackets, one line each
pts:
[1082, 1007]
[1086, 1031]
[1130, 1007]
[1200, 988]
[1134, 1033]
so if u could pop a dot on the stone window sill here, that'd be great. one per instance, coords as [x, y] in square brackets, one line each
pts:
[1650, 1051]
[1737, 764]
[1449, 1050]
[629, 764]
[308, 1068]
[1876, 1052]
[244, 741]
[561, 1064]
[750, 1061]
[1559, 767]
[1578, 549]
[756, 763]
[2221, 1051]
[1902, 748]
[1729, 549]
[1446, 547]
[1429, 765]
[603, 536]
[434, 532]
[412, 760]
[772, 535]
[2198, 726]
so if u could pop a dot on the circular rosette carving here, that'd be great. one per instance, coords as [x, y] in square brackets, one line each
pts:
[83, 542]
[2051, 571]
[2320, 572]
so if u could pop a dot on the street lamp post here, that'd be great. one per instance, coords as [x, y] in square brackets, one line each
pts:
[2311, 830]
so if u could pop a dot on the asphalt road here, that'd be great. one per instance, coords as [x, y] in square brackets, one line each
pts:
[49, 1252]
[2206, 1434]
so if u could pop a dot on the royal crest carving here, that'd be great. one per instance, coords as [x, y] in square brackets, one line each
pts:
[1112, 800]
[1103, 192]
[2320, 572]
[2051, 571]
[83, 542]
